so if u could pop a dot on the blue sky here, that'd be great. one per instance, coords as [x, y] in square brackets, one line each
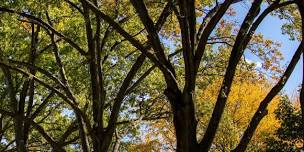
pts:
[271, 29]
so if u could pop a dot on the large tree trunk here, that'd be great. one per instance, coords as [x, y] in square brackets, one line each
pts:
[58, 149]
[107, 140]
[101, 143]
[19, 134]
[184, 119]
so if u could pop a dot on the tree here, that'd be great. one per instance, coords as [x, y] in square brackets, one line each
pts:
[181, 96]
[241, 105]
[288, 136]
[24, 101]
[105, 28]
[247, 91]
[96, 124]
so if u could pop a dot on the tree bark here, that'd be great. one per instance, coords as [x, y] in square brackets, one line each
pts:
[58, 149]
[184, 120]
[19, 134]
[239, 46]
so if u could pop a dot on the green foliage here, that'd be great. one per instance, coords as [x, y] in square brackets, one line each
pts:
[144, 121]
[289, 136]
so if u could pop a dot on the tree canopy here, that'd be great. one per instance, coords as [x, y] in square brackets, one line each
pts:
[153, 75]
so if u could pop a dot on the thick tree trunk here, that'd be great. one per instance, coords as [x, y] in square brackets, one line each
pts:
[185, 130]
[19, 134]
[58, 149]
[107, 140]
[102, 142]
[184, 119]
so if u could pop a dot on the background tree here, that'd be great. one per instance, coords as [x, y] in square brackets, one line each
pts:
[288, 136]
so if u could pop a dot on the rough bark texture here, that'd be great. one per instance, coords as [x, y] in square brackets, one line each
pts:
[184, 121]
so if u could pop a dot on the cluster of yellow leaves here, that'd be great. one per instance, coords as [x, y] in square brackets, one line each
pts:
[160, 136]
[243, 100]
